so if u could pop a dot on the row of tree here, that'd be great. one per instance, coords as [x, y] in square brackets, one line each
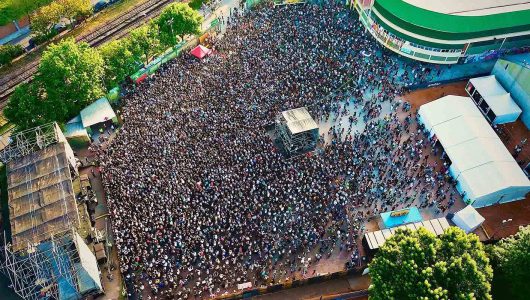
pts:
[455, 265]
[72, 75]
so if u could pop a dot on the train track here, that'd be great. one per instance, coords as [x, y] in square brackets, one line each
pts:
[117, 28]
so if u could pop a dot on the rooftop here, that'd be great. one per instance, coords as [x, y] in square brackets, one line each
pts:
[471, 8]
[299, 120]
[431, 18]
[41, 196]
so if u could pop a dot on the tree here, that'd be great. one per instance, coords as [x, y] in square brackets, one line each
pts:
[119, 61]
[177, 20]
[46, 18]
[74, 9]
[511, 261]
[28, 108]
[9, 52]
[73, 74]
[418, 265]
[145, 42]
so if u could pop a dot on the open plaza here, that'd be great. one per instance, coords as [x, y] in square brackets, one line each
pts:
[288, 145]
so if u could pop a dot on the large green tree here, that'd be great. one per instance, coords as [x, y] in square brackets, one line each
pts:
[177, 20]
[45, 18]
[511, 261]
[72, 74]
[73, 9]
[145, 42]
[119, 61]
[419, 265]
[27, 107]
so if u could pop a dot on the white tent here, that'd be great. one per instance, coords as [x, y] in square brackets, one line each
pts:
[468, 219]
[485, 170]
[493, 100]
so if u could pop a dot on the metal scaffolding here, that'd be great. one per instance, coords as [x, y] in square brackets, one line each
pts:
[44, 257]
[296, 131]
[45, 271]
[29, 141]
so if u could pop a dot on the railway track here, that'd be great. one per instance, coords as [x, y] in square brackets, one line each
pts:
[118, 28]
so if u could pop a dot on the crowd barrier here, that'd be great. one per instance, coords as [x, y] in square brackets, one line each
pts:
[245, 294]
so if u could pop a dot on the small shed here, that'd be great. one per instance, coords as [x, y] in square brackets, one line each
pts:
[468, 219]
[492, 99]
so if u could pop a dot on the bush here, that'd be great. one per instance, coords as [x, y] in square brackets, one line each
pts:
[9, 52]
[196, 4]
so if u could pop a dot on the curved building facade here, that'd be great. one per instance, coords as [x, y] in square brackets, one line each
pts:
[450, 31]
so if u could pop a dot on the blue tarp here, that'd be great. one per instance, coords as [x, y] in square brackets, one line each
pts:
[59, 270]
[412, 216]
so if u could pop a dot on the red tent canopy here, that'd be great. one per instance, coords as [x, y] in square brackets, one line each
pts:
[200, 51]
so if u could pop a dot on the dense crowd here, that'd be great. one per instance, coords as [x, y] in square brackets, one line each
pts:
[201, 198]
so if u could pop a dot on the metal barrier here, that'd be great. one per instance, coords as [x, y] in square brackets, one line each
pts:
[289, 284]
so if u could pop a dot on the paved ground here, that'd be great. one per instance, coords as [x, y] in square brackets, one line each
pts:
[327, 290]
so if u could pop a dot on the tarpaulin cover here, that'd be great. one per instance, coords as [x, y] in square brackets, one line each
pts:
[200, 51]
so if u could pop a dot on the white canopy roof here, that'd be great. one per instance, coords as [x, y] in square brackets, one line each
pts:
[299, 120]
[480, 161]
[468, 219]
[376, 239]
[437, 112]
[500, 101]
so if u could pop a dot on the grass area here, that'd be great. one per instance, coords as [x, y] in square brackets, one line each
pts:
[89, 25]
[16, 9]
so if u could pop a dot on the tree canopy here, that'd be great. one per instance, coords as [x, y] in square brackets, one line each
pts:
[419, 265]
[144, 42]
[177, 20]
[25, 107]
[119, 61]
[71, 74]
[511, 261]
[47, 16]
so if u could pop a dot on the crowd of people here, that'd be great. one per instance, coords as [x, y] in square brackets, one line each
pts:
[202, 200]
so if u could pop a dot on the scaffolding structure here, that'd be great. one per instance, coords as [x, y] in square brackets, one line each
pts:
[296, 131]
[52, 269]
[29, 141]
[43, 256]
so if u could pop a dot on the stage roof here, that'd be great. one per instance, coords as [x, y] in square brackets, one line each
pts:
[299, 120]
[97, 112]
[41, 196]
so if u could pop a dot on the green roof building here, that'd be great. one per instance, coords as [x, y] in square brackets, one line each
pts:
[449, 31]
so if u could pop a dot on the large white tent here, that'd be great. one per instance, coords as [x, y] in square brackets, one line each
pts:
[485, 170]
[468, 219]
[493, 100]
